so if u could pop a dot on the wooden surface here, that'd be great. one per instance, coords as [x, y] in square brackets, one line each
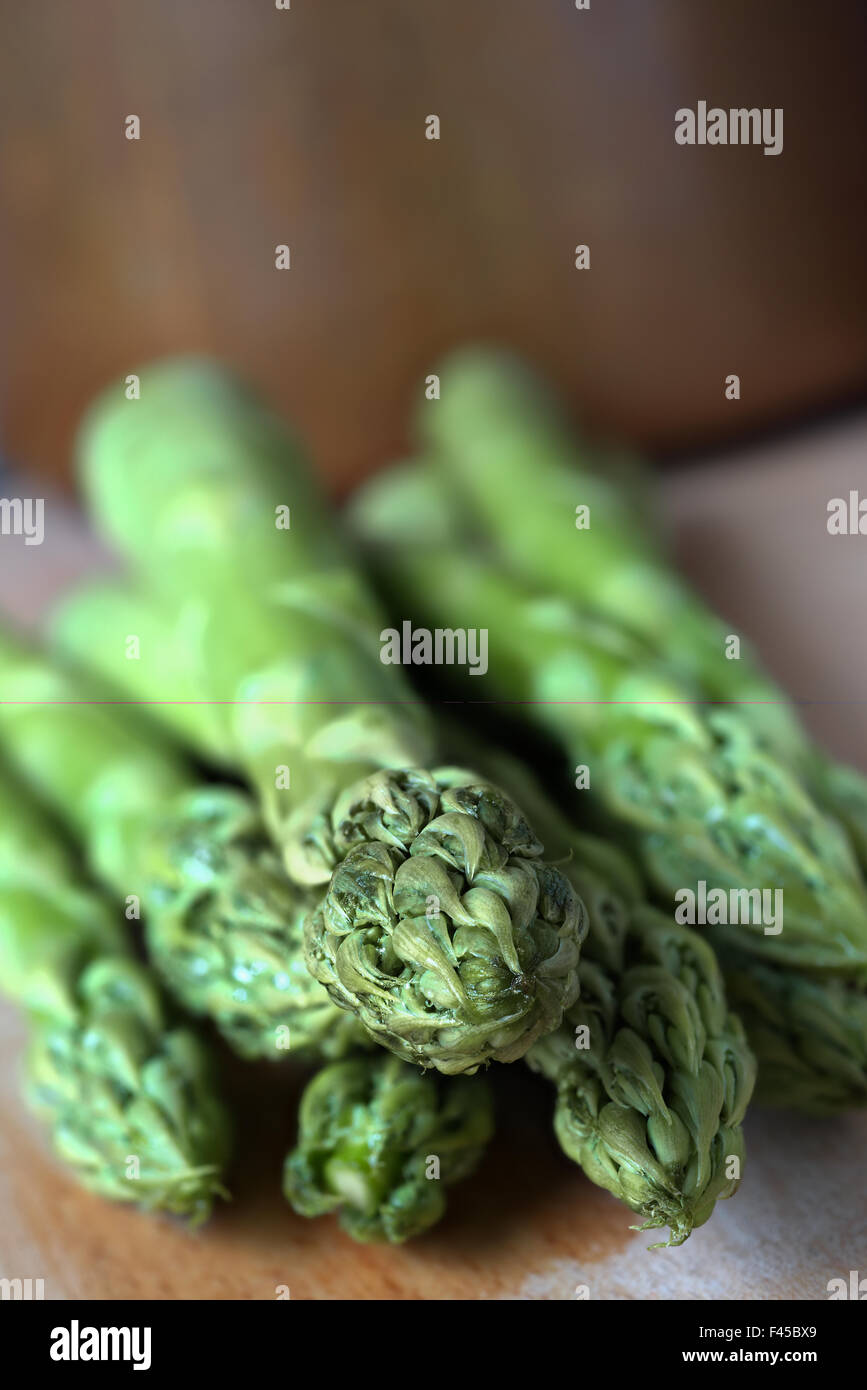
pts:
[306, 127]
[528, 1225]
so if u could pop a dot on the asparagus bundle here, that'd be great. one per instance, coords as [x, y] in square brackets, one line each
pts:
[441, 927]
[692, 794]
[667, 1139]
[223, 924]
[129, 1098]
[379, 1142]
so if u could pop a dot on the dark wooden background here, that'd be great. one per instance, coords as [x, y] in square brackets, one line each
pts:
[306, 126]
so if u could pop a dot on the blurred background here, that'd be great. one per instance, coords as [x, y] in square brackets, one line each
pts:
[306, 127]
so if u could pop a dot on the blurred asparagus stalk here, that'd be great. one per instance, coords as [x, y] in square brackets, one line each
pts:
[223, 924]
[379, 1143]
[690, 791]
[130, 1099]
[809, 1033]
[687, 792]
[259, 619]
[441, 927]
[509, 454]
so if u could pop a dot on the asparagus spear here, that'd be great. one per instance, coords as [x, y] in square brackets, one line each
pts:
[689, 790]
[223, 924]
[379, 1142]
[509, 454]
[653, 1073]
[464, 1001]
[505, 447]
[808, 1034]
[664, 790]
[842, 791]
[130, 1099]
[263, 621]
[441, 926]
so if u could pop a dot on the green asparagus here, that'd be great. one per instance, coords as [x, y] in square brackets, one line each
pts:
[260, 621]
[806, 1027]
[130, 1099]
[379, 1142]
[223, 924]
[653, 1073]
[690, 791]
[507, 451]
[808, 1032]
[509, 454]
[441, 927]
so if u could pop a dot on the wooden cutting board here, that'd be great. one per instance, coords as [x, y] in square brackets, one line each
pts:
[529, 1225]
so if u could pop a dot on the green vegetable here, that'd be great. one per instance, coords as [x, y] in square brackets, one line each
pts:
[842, 791]
[505, 447]
[288, 661]
[653, 1073]
[510, 457]
[507, 452]
[379, 1142]
[809, 1034]
[129, 1098]
[443, 930]
[513, 460]
[259, 617]
[224, 926]
[651, 1107]
[690, 791]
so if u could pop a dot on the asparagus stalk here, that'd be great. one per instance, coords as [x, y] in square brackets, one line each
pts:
[688, 790]
[379, 1143]
[129, 1098]
[263, 622]
[441, 927]
[508, 453]
[224, 927]
[842, 791]
[652, 1071]
[664, 790]
[809, 1034]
